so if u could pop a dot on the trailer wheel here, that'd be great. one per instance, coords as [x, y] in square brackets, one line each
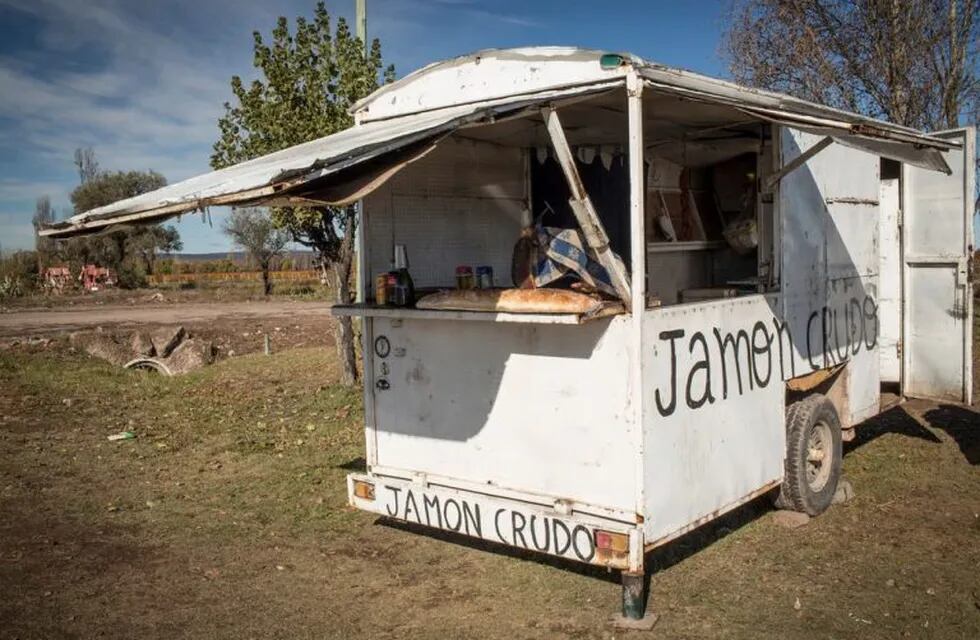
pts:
[813, 456]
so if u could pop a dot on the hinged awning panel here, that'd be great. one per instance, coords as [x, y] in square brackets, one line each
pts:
[272, 178]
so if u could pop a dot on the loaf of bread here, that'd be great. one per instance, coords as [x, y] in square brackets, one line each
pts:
[511, 301]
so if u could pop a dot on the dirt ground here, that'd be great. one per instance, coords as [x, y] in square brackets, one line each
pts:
[226, 517]
[36, 321]
[235, 328]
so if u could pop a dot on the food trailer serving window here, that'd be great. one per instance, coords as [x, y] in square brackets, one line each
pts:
[488, 226]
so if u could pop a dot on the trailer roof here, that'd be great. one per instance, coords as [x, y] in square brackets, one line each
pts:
[400, 118]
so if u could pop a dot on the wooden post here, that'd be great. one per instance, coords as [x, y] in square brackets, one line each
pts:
[360, 24]
[584, 210]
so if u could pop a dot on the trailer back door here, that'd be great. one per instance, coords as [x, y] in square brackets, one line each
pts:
[937, 245]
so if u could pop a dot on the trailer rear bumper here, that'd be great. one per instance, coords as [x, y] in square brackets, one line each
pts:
[523, 525]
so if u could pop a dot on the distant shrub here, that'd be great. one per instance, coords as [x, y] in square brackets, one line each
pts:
[131, 276]
[18, 274]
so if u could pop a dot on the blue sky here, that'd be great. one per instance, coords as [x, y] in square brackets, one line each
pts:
[143, 82]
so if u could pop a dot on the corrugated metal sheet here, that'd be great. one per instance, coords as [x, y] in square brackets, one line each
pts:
[274, 175]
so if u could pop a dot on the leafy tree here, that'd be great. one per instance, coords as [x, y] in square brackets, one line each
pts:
[111, 186]
[146, 243]
[112, 249]
[18, 274]
[253, 230]
[311, 77]
[130, 251]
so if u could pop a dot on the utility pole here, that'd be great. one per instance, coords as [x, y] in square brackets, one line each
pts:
[360, 22]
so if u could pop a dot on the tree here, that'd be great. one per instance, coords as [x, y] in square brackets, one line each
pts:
[43, 247]
[130, 251]
[88, 166]
[311, 78]
[112, 249]
[107, 187]
[148, 242]
[912, 62]
[253, 230]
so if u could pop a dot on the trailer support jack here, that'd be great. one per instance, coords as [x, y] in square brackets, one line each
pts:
[634, 615]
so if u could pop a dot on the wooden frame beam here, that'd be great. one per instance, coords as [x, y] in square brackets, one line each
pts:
[797, 162]
[585, 212]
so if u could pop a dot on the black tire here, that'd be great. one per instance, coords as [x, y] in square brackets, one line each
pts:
[810, 483]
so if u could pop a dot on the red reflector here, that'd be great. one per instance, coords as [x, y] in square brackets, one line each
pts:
[618, 542]
[603, 540]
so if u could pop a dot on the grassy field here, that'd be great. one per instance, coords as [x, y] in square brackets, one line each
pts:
[226, 517]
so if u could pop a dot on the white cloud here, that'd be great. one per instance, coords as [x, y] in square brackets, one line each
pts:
[144, 83]
[17, 189]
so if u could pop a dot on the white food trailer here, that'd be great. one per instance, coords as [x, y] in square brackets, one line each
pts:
[775, 267]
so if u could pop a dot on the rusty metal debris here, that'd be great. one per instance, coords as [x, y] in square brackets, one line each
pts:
[149, 364]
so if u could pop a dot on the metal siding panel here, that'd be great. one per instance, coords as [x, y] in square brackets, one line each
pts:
[700, 460]
[830, 262]
[540, 409]
[890, 281]
[934, 334]
[485, 75]
[852, 239]
[857, 329]
[935, 224]
[938, 240]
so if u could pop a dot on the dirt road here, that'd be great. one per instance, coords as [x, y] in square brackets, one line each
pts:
[40, 321]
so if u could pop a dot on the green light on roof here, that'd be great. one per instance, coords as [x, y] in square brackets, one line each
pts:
[611, 61]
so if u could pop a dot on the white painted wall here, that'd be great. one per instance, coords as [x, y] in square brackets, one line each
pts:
[938, 311]
[828, 212]
[536, 408]
[461, 204]
[890, 281]
[713, 413]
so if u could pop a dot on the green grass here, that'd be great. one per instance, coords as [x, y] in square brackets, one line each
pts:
[227, 517]
[266, 417]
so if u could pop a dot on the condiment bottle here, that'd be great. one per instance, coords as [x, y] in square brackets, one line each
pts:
[484, 277]
[404, 286]
[380, 289]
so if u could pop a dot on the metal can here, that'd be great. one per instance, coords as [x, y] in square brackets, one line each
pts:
[464, 277]
[391, 287]
[381, 289]
[484, 277]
